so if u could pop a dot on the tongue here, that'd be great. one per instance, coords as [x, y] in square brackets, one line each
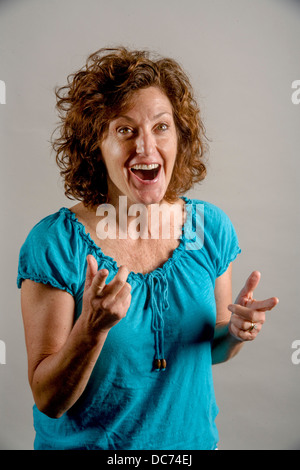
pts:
[146, 174]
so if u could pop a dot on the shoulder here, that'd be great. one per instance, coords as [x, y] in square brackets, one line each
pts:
[53, 237]
[215, 237]
[53, 226]
[208, 205]
[212, 215]
[51, 252]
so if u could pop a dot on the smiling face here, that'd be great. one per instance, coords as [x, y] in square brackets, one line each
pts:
[140, 148]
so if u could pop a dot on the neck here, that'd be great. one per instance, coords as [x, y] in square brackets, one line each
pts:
[137, 220]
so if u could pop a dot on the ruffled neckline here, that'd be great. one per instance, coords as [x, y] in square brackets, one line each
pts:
[177, 253]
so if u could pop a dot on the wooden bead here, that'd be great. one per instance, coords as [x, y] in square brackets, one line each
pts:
[160, 364]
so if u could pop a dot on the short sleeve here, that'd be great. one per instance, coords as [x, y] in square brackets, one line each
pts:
[229, 245]
[224, 244]
[49, 254]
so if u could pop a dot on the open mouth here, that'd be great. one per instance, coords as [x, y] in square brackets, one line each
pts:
[146, 172]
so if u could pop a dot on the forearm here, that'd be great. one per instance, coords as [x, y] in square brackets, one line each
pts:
[225, 346]
[60, 379]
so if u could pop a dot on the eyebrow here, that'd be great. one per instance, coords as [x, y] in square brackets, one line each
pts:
[154, 117]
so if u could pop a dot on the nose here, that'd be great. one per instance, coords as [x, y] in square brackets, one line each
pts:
[145, 143]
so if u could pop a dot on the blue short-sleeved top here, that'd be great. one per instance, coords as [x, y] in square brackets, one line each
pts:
[127, 403]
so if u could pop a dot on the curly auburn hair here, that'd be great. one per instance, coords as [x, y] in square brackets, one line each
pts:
[96, 94]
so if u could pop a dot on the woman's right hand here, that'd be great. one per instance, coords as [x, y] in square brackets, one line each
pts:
[61, 354]
[104, 305]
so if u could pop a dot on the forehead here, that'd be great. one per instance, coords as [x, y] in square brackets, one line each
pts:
[148, 101]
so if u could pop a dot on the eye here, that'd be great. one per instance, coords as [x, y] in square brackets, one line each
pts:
[125, 130]
[162, 127]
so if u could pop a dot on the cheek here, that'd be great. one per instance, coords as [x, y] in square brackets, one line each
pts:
[113, 154]
[114, 157]
[171, 148]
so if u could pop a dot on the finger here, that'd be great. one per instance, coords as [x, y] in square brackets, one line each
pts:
[118, 282]
[250, 285]
[91, 271]
[235, 331]
[123, 297]
[98, 283]
[262, 305]
[245, 325]
[247, 313]
[243, 335]
[124, 292]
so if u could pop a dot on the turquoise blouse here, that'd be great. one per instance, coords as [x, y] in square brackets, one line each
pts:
[128, 403]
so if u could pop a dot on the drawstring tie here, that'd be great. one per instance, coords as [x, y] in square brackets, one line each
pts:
[159, 302]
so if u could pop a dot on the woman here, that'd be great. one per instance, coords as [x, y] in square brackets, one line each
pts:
[121, 330]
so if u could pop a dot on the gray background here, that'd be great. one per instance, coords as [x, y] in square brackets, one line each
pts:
[242, 57]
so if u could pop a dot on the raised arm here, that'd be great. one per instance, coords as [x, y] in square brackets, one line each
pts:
[238, 322]
[61, 354]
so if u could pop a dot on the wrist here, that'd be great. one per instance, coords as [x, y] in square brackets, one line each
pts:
[88, 336]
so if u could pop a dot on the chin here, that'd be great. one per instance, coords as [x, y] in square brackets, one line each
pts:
[149, 199]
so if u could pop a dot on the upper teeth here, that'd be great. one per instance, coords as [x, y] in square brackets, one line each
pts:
[145, 167]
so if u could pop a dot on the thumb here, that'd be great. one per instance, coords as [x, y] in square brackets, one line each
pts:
[91, 271]
[249, 287]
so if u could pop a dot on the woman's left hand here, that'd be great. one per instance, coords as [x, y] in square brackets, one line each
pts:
[248, 314]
